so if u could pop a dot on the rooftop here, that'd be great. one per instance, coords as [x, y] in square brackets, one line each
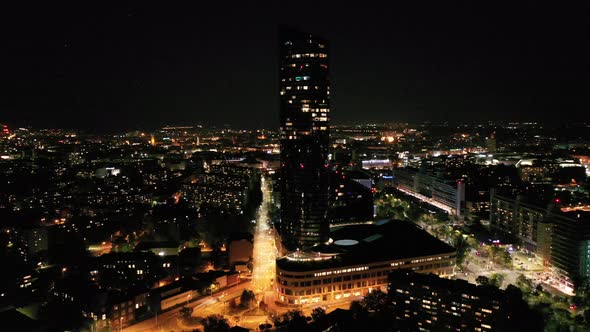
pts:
[452, 286]
[366, 243]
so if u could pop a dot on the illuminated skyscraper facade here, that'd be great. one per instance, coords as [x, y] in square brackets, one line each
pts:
[304, 116]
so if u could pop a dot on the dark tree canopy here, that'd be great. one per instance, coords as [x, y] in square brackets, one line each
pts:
[215, 323]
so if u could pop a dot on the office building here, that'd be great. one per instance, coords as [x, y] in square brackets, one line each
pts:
[304, 116]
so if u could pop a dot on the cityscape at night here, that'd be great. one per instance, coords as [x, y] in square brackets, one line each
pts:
[295, 167]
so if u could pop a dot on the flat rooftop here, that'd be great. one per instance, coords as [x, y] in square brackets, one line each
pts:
[385, 240]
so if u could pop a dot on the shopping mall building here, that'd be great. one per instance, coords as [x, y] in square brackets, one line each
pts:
[357, 259]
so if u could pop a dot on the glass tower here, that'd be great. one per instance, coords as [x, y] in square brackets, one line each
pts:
[304, 116]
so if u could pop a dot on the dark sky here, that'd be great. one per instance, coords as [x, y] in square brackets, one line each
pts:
[95, 66]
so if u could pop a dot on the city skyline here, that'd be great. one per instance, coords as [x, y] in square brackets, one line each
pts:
[152, 222]
[294, 167]
[142, 66]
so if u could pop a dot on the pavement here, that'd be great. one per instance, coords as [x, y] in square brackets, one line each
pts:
[523, 264]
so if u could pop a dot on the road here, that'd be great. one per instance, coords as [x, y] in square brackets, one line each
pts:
[265, 251]
[167, 321]
[263, 272]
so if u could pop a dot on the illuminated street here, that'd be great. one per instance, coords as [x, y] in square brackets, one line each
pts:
[262, 275]
[265, 251]
[169, 321]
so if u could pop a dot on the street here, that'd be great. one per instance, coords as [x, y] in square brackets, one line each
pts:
[168, 321]
[265, 252]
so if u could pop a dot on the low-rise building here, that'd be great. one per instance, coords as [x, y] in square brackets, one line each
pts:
[240, 248]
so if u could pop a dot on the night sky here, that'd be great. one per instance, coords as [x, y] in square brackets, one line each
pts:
[100, 67]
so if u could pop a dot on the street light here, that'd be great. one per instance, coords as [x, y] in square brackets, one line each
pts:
[211, 289]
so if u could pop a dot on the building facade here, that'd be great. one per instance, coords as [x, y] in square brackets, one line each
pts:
[446, 195]
[357, 259]
[570, 249]
[560, 239]
[425, 302]
[304, 116]
[519, 219]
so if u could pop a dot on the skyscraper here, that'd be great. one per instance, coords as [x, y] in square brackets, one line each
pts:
[304, 113]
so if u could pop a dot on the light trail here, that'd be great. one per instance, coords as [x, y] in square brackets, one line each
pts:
[265, 252]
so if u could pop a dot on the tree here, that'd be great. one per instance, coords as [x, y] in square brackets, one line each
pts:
[375, 301]
[497, 279]
[443, 232]
[587, 316]
[505, 258]
[482, 281]
[442, 217]
[186, 312]
[525, 284]
[247, 298]
[427, 218]
[389, 206]
[215, 323]
[493, 252]
[293, 320]
[514, 292]
[459, 241]
[318, 314]
[358, 310]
